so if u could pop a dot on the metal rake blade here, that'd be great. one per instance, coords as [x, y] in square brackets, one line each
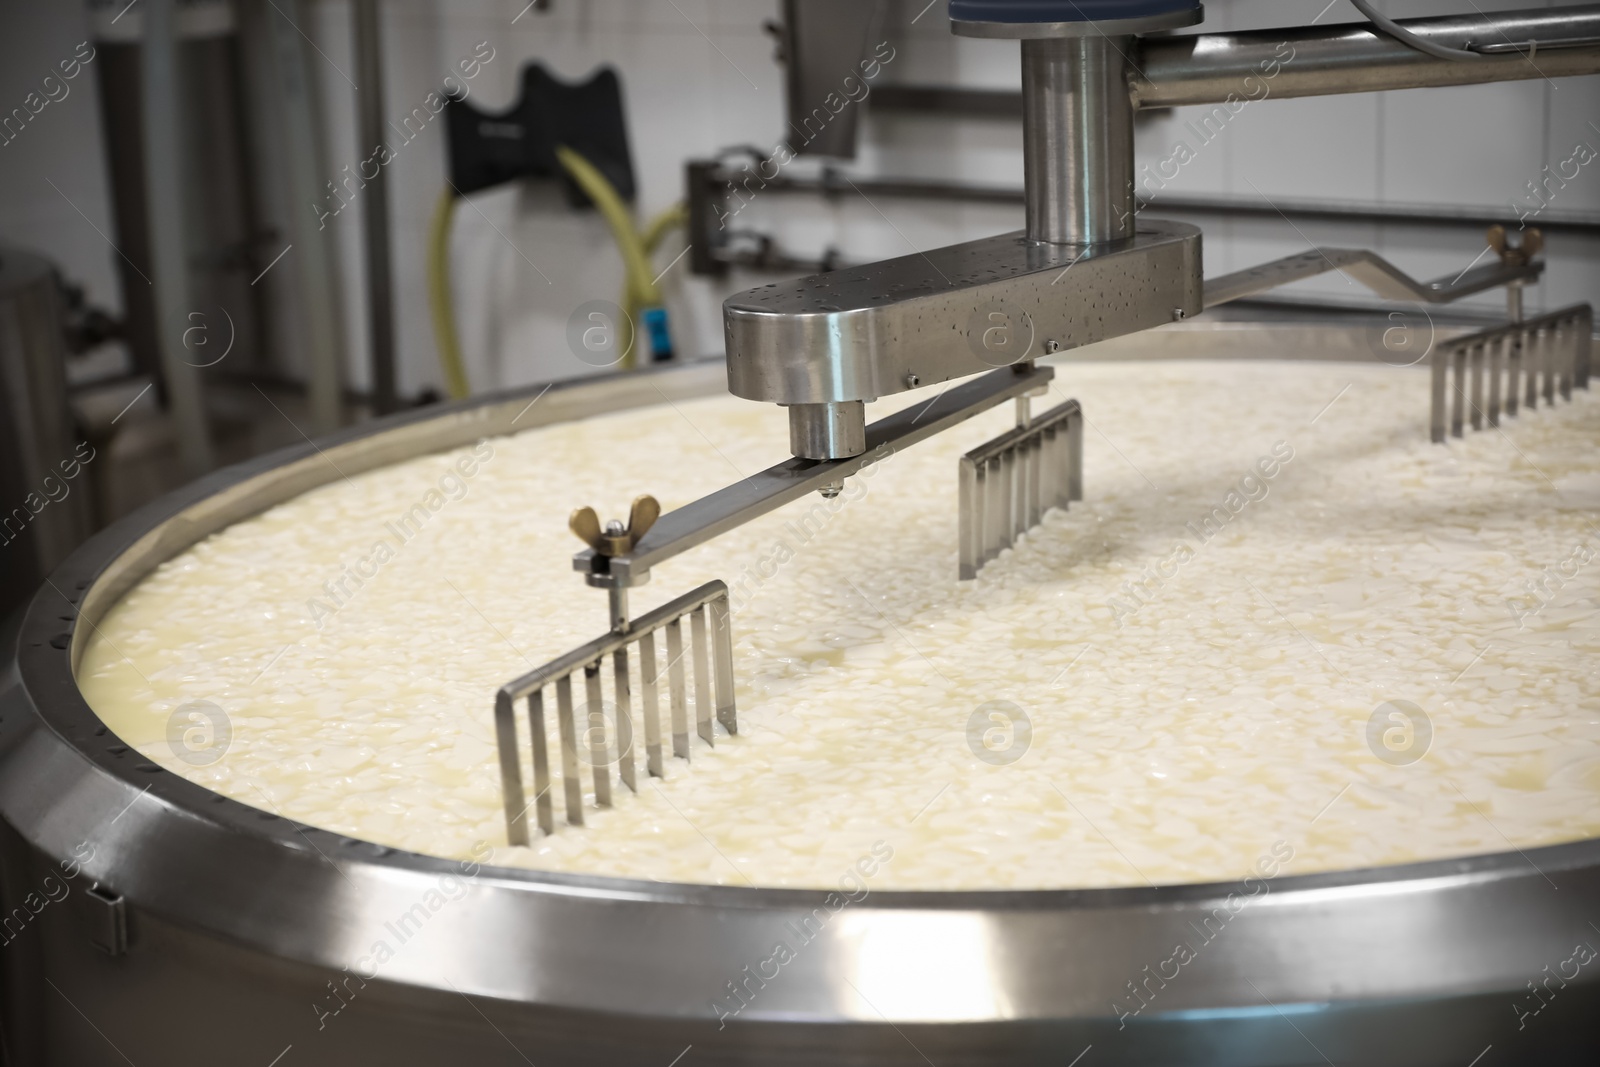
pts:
[1495, 369]
[1008, 484]
[711, 645]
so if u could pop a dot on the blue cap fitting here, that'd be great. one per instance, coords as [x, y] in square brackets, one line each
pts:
[655, 324]
[1064, 10]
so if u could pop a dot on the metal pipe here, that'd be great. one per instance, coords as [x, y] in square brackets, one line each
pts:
[375, 206]
[1077, 137]
[1214, 68]
[309, 221]
[164, 184]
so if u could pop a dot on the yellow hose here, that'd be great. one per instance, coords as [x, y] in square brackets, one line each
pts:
[671, 219]
[639, 289]
[444, 318]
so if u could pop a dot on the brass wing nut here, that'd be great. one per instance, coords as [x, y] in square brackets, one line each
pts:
[615, 539]
[1520, 254]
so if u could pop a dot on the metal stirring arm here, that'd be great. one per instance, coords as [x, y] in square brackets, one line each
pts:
[1371, 270]
[727, 509]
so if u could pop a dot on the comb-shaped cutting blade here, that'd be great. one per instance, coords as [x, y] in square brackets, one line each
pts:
[1481, 376]
[1009, 483]
[585, 735]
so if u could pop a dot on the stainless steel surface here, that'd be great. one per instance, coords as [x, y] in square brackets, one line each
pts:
[311, 233]
[47, 506]
[165, 157]
[828, 431]
[244, 918]
[728, 509]
[1077, 140]
[1211, 68]
[1009, 483]
[864, 332]
[825, 45]
[599, 734]
[1547, 356]
[367, 29]
[1085, 28]
[1371, 270]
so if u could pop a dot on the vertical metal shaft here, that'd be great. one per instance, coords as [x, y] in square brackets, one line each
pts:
[313, 205]
[542, 801]
[622, 691]
[505, 728]
[1475, 357]
[165, 165]
[1496, 354]
[648, 667]
[375, 204]
[722, 656]
[617, 597]
[679, 694]
[569, 751]
[1077, 138]
[702, 676]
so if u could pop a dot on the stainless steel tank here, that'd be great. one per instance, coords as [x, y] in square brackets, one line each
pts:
[45, 506]
[150, 921]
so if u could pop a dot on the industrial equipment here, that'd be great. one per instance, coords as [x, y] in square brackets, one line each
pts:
[187, 901]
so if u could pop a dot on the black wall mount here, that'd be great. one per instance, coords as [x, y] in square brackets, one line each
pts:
[488, 148]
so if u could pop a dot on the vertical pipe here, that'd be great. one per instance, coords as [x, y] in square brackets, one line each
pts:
[169, 249]
[311, 209]
[1077, 123]
[375, 206]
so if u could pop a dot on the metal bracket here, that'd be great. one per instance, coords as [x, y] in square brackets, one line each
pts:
[868, 332]
[1371, 270]
[107, 915]
[728, 509]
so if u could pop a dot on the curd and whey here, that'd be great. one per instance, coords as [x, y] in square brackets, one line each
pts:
[1280, 619]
